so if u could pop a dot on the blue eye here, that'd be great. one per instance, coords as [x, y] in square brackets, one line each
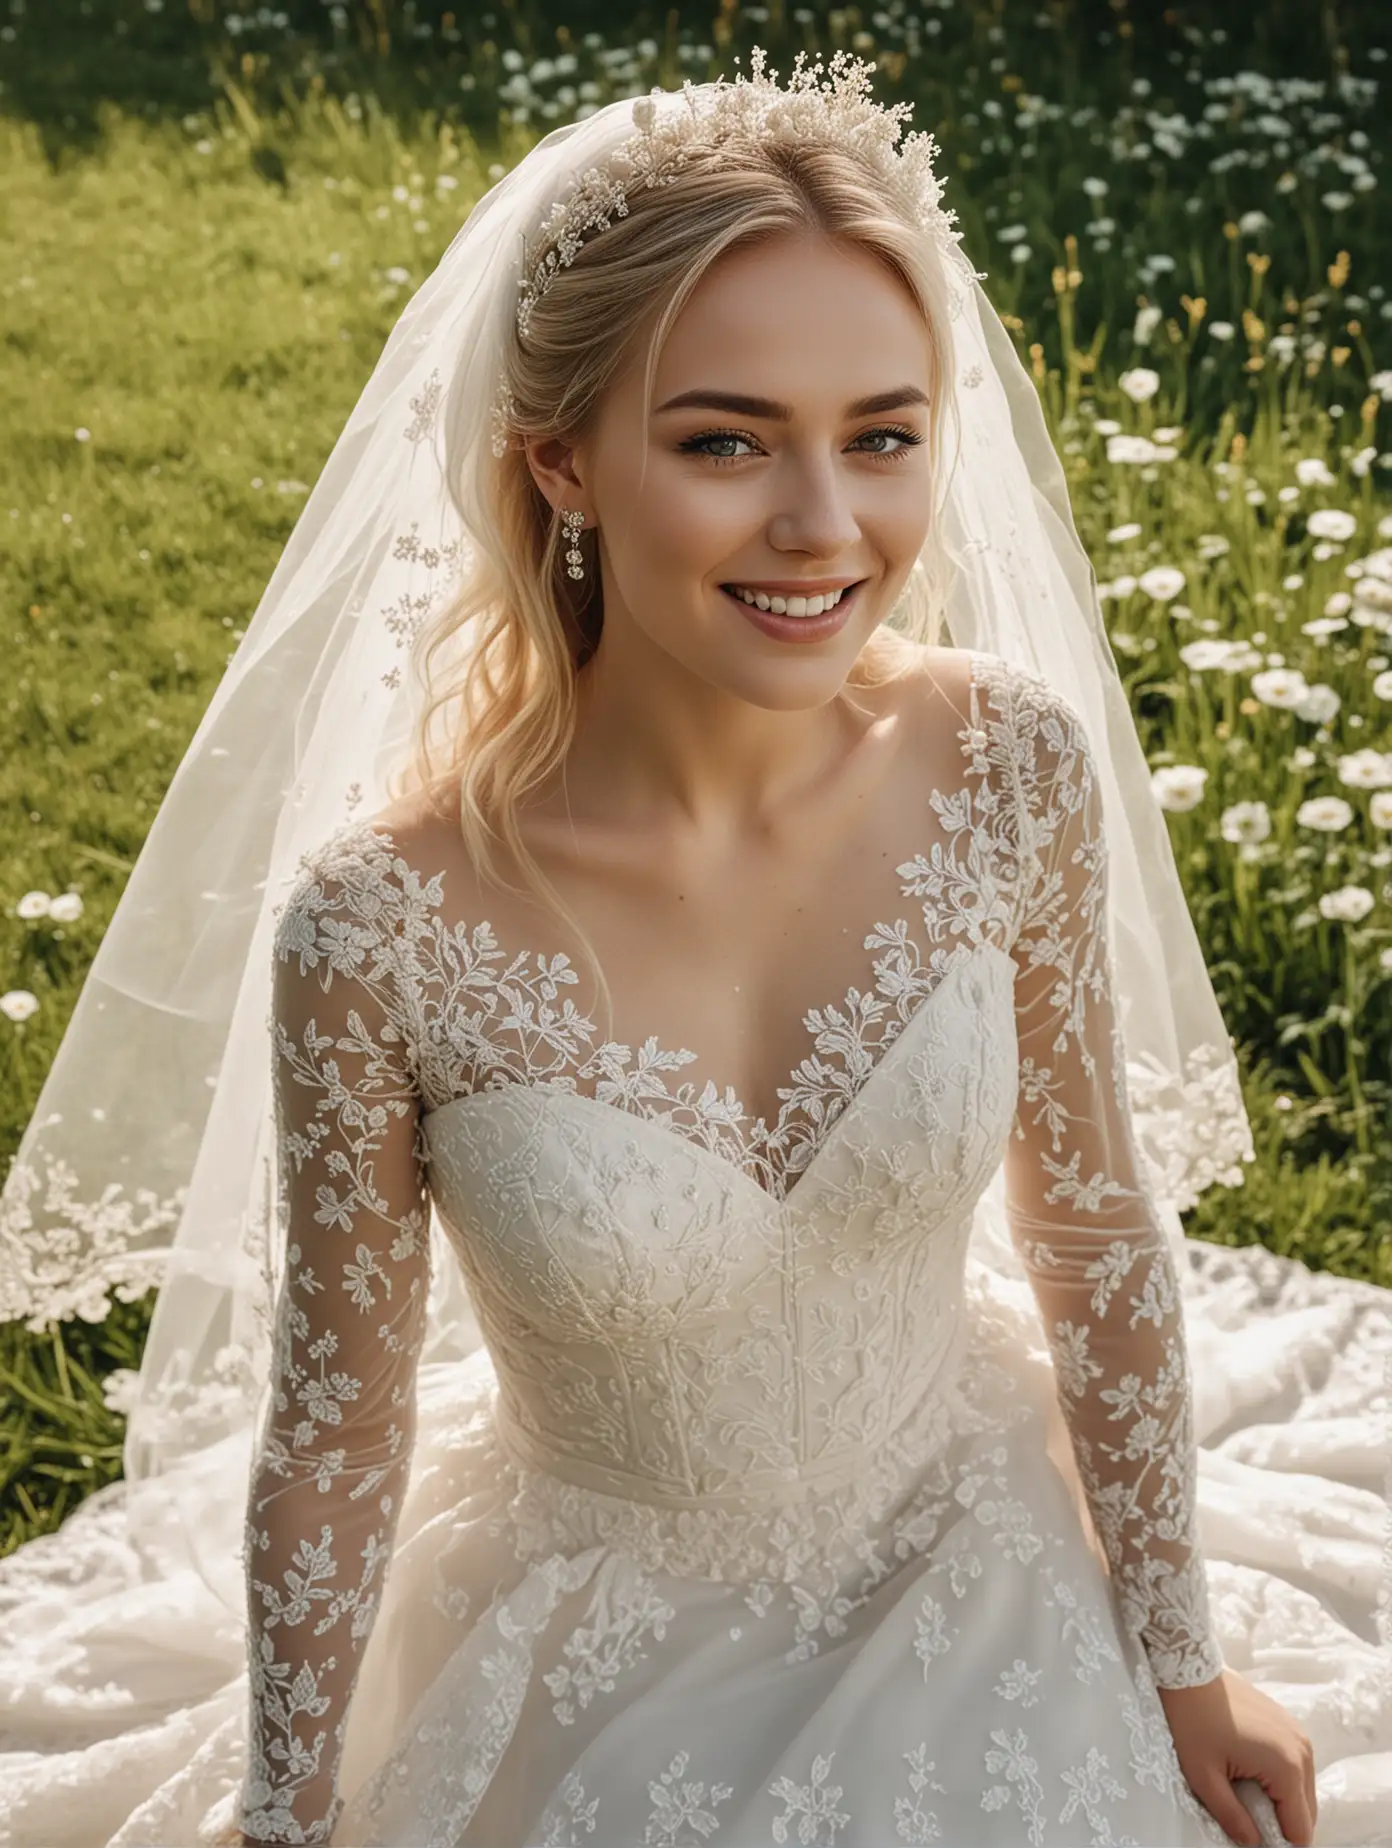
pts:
[906, 439]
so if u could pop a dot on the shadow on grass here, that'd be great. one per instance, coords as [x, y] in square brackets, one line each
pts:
[68, 61]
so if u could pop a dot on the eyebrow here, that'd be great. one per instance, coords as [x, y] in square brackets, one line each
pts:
[737, 402]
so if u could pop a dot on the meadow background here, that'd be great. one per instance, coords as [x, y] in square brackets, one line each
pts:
[212, 216]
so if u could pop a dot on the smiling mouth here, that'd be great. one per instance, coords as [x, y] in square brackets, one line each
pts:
[785, 605]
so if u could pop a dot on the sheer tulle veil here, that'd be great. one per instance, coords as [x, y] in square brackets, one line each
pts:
[149, 1157]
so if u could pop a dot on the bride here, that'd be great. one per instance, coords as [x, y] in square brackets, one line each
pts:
[661, 1131]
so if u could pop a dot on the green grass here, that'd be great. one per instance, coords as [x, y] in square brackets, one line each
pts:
[211, 234]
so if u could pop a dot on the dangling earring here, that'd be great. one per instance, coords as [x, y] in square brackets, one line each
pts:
[574, 524]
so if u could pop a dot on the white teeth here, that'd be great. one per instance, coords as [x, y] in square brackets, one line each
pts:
[791, 606]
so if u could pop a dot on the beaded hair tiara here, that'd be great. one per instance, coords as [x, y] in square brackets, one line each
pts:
[825, 105]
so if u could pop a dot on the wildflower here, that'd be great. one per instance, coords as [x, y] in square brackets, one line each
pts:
[18, 1004]
[1221, 330]
[1131, 530]
[1382, 686]
[1313, 472]
[1348, 905]
[1381, 383]
[1366, 769]
[66, 908]
[82, 434]
[1130, 449]
[1179, 787]
[33, 905]
[1331, 523]
[1212, 653]
[1245, 823]
[119, 1389]
[1140, 384]
[1147, 320]
[1283, 687]
[1380, 810]
[1326, 814]
[1163, 582]
[1319, 704]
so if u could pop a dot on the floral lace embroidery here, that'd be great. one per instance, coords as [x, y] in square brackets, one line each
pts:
[393, 1030]
[479, 1020]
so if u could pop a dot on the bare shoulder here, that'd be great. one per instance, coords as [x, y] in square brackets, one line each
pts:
[1004, 687]
[422, 828]
[426, 837]
[936, 686]
[410, 818]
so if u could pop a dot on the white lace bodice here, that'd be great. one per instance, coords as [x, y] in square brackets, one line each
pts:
[720, 1343]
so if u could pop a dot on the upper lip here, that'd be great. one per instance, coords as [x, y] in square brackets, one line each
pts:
[799, 587]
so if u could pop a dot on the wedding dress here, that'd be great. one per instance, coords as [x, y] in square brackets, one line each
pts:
[755, 1518]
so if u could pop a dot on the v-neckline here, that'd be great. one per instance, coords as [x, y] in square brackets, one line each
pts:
[736, 1175]
[758, 1148]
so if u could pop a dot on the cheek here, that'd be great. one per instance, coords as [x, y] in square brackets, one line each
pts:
[685, 526]
[904, 521]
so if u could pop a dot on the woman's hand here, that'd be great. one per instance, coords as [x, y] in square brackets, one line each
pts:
[1229, 1729]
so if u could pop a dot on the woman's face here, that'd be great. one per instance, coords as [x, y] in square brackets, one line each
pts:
[786, 455]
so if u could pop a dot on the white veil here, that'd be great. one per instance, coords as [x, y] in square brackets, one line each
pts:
[149, 1158]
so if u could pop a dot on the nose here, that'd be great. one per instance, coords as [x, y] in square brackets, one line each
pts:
[816, 516]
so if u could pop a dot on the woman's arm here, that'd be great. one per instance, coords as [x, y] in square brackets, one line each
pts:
[334, 1451]
[1093, 1246]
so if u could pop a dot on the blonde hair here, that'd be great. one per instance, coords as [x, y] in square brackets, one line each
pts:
[513, 699]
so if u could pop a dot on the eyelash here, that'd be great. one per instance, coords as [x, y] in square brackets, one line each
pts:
[910, 439]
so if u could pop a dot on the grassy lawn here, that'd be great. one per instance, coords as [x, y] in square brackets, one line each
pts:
[214, 216]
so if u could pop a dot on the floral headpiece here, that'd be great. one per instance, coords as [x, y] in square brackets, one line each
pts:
[822, 104]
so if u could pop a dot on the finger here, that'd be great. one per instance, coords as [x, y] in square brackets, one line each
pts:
[1296, 1817]
[1292, 1797]
[1230, 1812]
[1311, 1795]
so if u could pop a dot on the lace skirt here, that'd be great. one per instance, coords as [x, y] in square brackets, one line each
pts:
[931, 1654]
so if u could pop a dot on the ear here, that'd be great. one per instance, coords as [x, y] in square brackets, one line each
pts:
[556, 467]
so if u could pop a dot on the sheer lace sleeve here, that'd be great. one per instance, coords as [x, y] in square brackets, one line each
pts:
[333, 1453]
[1094, 1249]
